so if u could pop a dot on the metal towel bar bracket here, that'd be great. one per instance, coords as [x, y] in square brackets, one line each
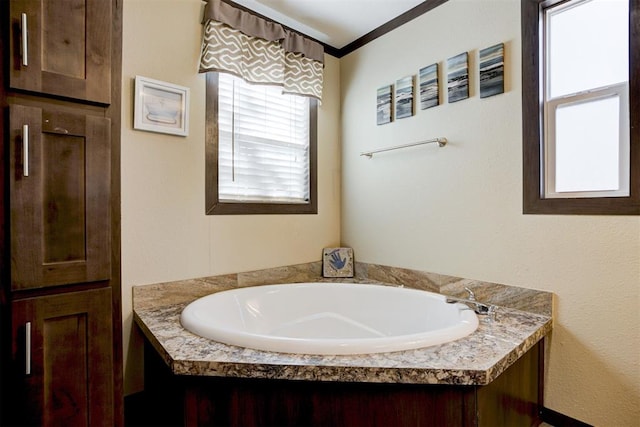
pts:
[441, 143]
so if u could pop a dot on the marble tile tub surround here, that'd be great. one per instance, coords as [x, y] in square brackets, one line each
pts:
[474, 360]
[533, 301]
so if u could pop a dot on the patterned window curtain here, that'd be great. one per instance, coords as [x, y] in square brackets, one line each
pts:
[260, 51]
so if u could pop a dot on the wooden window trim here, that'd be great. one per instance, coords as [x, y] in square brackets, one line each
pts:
[532, 126]
[213, 205]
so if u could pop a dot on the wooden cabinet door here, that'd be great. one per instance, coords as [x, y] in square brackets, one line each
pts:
[63, 360]
[59, 189]
[62, 47]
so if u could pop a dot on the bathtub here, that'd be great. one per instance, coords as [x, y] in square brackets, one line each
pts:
[328, 318]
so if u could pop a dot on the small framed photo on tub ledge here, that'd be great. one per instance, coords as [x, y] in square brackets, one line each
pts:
[337, 262]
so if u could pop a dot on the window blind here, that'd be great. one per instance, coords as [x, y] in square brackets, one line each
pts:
[263, 147]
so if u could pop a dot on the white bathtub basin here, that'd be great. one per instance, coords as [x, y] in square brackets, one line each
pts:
[328, 318]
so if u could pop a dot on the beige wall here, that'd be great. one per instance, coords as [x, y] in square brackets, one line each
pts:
[457, 210]
[165, 233]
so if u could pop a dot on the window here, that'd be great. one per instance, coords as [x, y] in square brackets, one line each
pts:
[581, 154]
[261, 149]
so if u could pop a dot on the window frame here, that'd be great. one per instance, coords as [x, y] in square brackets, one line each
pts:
[534, 129]
[213, 205]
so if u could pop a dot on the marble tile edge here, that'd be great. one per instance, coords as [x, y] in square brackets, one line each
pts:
[153, 340]
[430, 376]
[513, 356]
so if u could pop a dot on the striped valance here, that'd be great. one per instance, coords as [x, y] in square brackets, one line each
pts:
[260, 51]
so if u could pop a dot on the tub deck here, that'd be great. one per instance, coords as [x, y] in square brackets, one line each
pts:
[477, 359]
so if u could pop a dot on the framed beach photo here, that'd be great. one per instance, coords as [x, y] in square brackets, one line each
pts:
[492, 71]
[404, 97]
[429, 93]
[161, 107]
[458, 77]
[384, 113]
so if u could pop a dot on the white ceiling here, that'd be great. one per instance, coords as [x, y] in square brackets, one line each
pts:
[333, 22]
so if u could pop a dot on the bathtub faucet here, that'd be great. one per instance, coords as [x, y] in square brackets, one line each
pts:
[477, 306]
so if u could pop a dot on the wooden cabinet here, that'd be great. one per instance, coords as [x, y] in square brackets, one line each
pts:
[59, 168]
[60, 307]
[61, 48]
[63, 359]
[514, 398]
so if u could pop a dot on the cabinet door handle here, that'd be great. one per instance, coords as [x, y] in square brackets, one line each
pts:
[27, 348]
[25, 34]
[25, 150]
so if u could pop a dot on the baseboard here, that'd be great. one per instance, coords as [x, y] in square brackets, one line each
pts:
[557, 419]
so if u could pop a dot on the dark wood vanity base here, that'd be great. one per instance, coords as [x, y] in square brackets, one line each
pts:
[514, 398]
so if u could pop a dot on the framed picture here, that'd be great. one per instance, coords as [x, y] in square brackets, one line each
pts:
[337, 262]
[492, 71]
[429, 94]
[404, 97]
[458, 77]
[161, 107]
[383, 112]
